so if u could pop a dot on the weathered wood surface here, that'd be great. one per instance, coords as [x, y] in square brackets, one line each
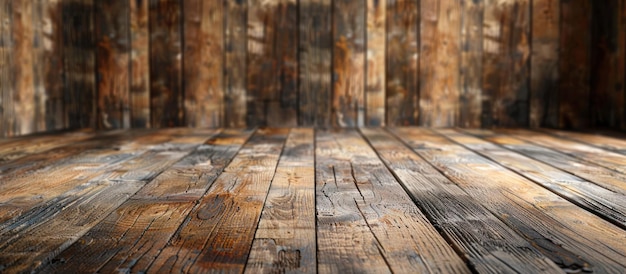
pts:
[615, 143]
[235, 41]
[15, 149]
[6, 70]
[375, 62]
[22, 120]
[139, 63]
[471, 63]
[366, 222]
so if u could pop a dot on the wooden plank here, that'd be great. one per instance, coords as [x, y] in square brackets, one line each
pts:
[112, 63]
[471, 63]
[23, 100]
[10, 151]
[166, 86]
[218, 233]
[402, 57]
[529, 209]
[506, 58]
[348, 61]
[6, 66]
[366, 222]
[439, 62]
[285, 238]
[235, 64]
[461, 219]
[203, 62]
[139, 64]
[544, 63]
[375, 64]
[616, 143]
[315, 57]
[574, 64]
[132, 236]
[603, 202]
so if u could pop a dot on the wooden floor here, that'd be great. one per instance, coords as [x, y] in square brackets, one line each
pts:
[404, 200]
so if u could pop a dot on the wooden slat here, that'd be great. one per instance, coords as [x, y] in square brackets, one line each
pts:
[529, 209]
[469, 227]
[132, 236]
[203, 62]
[166, 86]
[402, 57]
[365, 220]
[6, 67]
[348, 61]
[315, 57]
[471, 63]
[598, 200]
[218, 233]
[10, 151]
[375, 63]
[235, 63]
[612, 143]
[139, 64]
[22, 120]
[439, 62]
[544, 62]
[285, 238]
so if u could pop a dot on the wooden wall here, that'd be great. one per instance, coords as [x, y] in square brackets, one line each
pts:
[323, 63]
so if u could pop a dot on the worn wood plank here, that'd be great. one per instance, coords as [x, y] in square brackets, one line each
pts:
[6, 59]
[235, 63]
[544, 62]
[22, 120]
[468, 226]
[203, 62]
[439, 62]
[218, 233]
[139, 64]
[366, 222]
[603, 202]
[529, 209]
[132, 236]
[616, 143]
[314, 59]
[375, 92]
[348, 63]
[166, 86]
[471, 63]
[16, 149]
[402, 57]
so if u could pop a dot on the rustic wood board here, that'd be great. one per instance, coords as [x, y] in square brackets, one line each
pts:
[314, 60]
[219, 231]
[13, 150]
[203, 62]
[375, 82]
[348, 63]
[139, 64]
[469, 227]
[531, 210]
[6, 60]
[235, 63]
[440, 48]
[402, 57]
[366, 222]
[22, 120]
[613, 143]
[166, 79]
[471, 63]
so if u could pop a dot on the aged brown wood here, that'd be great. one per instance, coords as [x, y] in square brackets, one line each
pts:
[469, 227]
[471, 66]
[348, 57]
[616, 143]
[365, 220]
[375, 63]
[22, 120]
[203, 62]
[532, 211]
[6, 67]
[314, 59]
[402, 57]
[440, 49]
[139, 64]
[15, 149]
[166, 87]
[235, 63]
[544, 62]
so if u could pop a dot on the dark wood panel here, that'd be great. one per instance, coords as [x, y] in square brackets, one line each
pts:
[471, 66]
[139, 64]
[375, 63]
[22, 120]
[235, 63]
[6, 67]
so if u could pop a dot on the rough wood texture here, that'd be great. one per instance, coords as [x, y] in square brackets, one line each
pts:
[139, 64]
[22, 120]
[402, 57]
[235, 63]
[6, 67]
[471, 66]
[348, 57]
[203, 62]
[375, 63]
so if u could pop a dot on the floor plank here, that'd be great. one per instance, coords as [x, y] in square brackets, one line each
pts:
[22, 147]
[602, 141]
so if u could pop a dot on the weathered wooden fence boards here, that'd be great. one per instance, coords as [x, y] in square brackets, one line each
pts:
[324, 63]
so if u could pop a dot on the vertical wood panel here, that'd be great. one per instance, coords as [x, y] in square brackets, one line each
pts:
[574, 63]
[112, 61]
[544, 71]
[23, 120]
[402, 57]
[439, 62]
[140, 64]
[349, 51]
[315, 51]
[166, 87]
[470, 108]
[235, 67]
[621, 62]
[375, 78]
[203, 62]
[6, 66]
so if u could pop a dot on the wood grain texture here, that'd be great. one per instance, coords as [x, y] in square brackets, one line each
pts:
[314, 59]
[348, 57]
[402, 57]
[375, 63]
[506, 59]
[235, 63]
[440, 49]
[15, 149]
[203, 62]
[139, 64]
[616, 143]
[544, 62]
[166, 86]
[471, 63]
[365, 220]
[6, 66]
[22, 120]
